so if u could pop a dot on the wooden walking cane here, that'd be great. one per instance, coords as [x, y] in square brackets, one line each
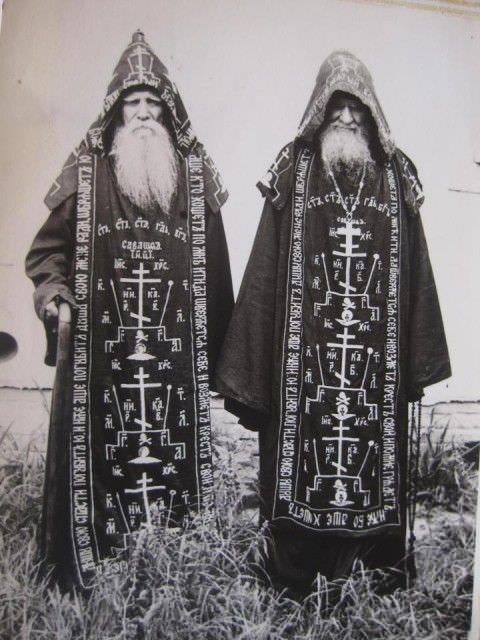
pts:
[63, 359]
[53, 529]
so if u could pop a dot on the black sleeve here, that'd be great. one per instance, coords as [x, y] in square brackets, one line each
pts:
[244, 373]
[49, 260]
[428, 360]
[219, 289]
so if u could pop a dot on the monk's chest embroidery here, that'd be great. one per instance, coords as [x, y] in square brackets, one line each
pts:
[338, 453]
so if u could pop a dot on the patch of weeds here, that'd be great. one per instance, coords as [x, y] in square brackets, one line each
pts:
[445, 478]
[203, 583]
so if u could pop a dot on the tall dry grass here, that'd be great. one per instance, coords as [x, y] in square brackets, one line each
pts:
[203, 584]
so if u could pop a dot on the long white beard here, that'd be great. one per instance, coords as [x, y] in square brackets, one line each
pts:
[145, 165]
[346, 151]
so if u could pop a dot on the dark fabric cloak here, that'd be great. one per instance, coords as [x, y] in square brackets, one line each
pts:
[152, 296]
[336, 328]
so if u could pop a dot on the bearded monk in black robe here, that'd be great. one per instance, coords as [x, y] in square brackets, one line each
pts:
[336, 329]
[135, 244]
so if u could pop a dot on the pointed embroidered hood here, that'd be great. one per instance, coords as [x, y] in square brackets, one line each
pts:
[139, 67]
[341, 71]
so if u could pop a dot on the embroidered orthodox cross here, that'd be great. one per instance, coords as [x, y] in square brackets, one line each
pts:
[139, 53]
[141, 281]
[141, 386]
[340, 440]
[344, 346]
[350, 232]
[144, 489]
[271, 177]
[284, 155]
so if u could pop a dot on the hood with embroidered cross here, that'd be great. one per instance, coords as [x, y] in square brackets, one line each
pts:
[341, 71]
[139, 67]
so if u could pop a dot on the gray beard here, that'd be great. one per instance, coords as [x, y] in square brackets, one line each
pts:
[146, 168]
[346, 152]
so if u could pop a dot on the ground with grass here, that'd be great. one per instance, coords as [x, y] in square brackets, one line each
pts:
[204, 583]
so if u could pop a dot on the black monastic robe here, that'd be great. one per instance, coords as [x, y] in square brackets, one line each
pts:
[336, 328]
[152, 296]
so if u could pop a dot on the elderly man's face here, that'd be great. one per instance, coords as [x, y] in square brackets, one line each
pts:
[344, 138]
[346, 112]
[140, 109]
[143, 151]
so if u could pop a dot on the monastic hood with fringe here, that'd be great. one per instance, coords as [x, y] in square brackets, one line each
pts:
[139, 67]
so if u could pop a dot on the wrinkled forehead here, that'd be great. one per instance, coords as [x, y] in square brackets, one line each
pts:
[139, 93]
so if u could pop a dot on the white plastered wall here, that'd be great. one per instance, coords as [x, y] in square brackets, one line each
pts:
[245, 71]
